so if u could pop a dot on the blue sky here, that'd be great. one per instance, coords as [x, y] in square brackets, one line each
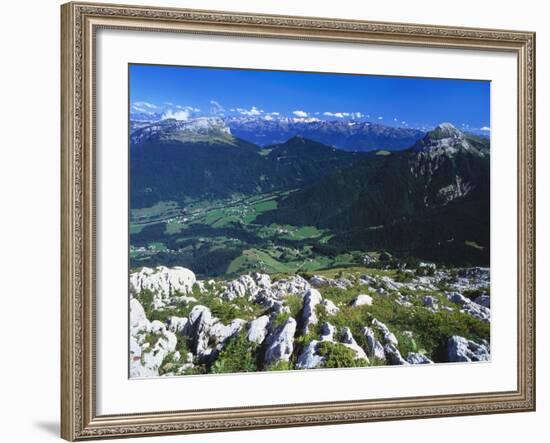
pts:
[186, 92]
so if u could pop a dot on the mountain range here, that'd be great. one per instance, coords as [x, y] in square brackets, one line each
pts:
[349, 135]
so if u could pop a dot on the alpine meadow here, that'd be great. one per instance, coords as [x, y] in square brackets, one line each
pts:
[295, 221]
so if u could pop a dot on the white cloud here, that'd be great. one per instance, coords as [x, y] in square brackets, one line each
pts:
[485, 128]
[380, 118]
[146, 105]
[300, 113]
[252, 112]
[216, 108]
[344, 114]
[276, 114]
[178, 115]
[141, 109]
[305, 119]
[188, 108]
[334, 114]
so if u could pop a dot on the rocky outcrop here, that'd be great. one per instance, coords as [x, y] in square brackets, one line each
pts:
[348, 340]
[161, 348]
[393, 356]
[387, 336]
[258, 329]
[430, 302]
[415, 358]
[295, 285]
[178, 325]
[312, 298]
[483, 300]
[330, 307]
[374, 348]
[280, 343]
[150, 343]
[469, 307]
[309, 359]
[459, 349]
[163, 282]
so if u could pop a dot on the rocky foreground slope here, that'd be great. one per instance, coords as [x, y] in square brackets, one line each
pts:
[355, 317]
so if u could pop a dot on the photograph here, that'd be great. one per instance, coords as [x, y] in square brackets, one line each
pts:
[285, 220]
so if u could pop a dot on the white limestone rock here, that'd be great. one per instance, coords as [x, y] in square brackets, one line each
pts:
[138, 320]
[309, 359]
[240, 287]
[163, 282]
[483, 300]
[280, 343]
[295, 285]
[257, 329]
[178, 325]
[416, 358]
[460, 349]
[330, 307]
[387, 336]
[430, 302]
[393, 356]
[374, 347]
[312, 298]
[362, 300]
[328, 332]
[348, 340]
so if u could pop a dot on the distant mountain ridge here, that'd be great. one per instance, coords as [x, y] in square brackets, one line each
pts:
[348, 135]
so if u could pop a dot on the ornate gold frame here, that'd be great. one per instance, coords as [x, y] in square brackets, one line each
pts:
[79, 420]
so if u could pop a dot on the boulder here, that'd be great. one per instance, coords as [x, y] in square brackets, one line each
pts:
[469, 307]
[162, 281]
[483, 300]
[393, 356]
[480, 312]
[330, 307]
[460, 349]
[457, 297]
[240, 287]
[387, 336]
[416, 358]
[219, 332]
[362, 300]
[430, 302]
[280, 343]
[327, 332]
[296, 285]
[309, 359]
[374, 348]
[348, 340]
[312, 298]
[318, 281]
[200, 321]
[178, 325]
[138, 320]
[257, 329]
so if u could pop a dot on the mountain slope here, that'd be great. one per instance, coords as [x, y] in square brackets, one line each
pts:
[431, 200]
[174, 164]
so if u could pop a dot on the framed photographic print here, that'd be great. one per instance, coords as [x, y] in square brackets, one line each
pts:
[282, 221]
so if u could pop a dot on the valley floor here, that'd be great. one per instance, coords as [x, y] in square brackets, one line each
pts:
[342, 317]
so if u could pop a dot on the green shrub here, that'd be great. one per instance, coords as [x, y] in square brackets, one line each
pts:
[338, 356]
[238, 355]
